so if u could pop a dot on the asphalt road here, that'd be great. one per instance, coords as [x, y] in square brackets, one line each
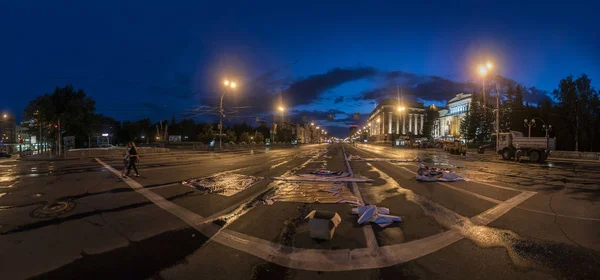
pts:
[78, 219]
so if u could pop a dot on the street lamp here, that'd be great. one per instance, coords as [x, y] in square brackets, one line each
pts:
[228, 85]
[483, 70]
[529, 124]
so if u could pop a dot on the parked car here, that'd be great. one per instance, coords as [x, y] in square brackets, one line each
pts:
[5, 155]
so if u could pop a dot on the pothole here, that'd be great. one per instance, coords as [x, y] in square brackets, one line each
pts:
[54, 209]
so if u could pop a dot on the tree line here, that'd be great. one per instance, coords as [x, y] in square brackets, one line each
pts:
[76, 113]
[574, 116]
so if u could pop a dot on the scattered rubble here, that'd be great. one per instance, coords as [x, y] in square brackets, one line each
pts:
[310, 192]
[322, 224]
[324, 175]
[358, 158]
[225, 184]
[435, 174]
[374, 214]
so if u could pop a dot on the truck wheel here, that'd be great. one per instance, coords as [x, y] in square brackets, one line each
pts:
[506, 154]
[535, 156]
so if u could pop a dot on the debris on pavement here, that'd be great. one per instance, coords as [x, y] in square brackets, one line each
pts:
[378, 215]
[435, 174]
[226, 184]
[322, 224]
[324, 175]
[310, 192]
[358, 158]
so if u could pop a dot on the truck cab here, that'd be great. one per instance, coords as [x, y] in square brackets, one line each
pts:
[514, 145]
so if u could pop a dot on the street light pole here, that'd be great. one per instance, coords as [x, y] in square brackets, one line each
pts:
[529, 124]
[221, 119]
[497, 117]
[231, 85]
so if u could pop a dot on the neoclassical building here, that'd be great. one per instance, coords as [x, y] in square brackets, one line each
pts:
[399, 117]
[448, 123]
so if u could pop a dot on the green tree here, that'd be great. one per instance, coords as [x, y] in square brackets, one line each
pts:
[207, 134]
[71, 107]
[431, 115]
[244, 137]
[467, 130]
[259, 137]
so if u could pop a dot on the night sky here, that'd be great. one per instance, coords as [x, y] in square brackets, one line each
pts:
[160, 59]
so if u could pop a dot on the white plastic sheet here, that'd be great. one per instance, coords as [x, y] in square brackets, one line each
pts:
[435, 174]
[374, 214]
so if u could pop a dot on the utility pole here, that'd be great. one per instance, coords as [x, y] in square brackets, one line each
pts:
[497, 117]
[59, 136]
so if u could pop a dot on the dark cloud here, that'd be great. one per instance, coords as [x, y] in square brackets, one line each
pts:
[413, 87]
[338, 99]
[306, 90]
[315, 115]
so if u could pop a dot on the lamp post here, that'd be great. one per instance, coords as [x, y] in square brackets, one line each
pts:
[529, 124]
[228, 85]
[483, 70]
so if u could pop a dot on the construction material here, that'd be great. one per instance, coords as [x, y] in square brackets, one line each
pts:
[322, 224]
[358, 158]
[437, 174]
[226, 184]
[374, 214]
[310, 192]
[324, 176]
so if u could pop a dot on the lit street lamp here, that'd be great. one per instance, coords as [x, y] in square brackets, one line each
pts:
[483, 70]
[529, 124]
[228, 85]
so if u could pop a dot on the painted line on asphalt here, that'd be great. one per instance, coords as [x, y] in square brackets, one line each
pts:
[370, 238]
[316, 259]
[559, 215]
[524, 208]
[458, 189]
[501, 187]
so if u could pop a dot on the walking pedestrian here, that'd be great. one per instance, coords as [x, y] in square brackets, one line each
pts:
[134, 158]
[126, 159]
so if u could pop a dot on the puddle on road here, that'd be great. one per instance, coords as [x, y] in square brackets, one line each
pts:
[524, 252]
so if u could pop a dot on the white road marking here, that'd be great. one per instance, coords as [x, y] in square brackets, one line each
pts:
[459, 189]
[559, 215]
[370, 238]
[314, 259]
[500, 187]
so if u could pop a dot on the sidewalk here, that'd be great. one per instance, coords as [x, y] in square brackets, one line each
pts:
[43, 157]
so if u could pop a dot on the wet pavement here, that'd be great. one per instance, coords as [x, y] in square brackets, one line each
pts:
[77, 219]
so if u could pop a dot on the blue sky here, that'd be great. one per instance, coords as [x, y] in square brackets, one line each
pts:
[160, 59]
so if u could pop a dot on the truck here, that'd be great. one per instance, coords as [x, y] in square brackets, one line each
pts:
[513, 145]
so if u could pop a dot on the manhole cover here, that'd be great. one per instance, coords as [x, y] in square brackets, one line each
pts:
[53, 209]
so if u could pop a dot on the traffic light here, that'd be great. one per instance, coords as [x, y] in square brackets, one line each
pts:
[55, 125]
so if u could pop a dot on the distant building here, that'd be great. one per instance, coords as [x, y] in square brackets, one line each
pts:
[353, 129]
[396, 117]
[447, 126]
[7, 129]
[305, 133]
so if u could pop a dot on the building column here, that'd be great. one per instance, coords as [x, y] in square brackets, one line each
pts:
[416, 127]
[410, 122]
[422, 117]
[390, 115]
[397, 124]
[403, 123]
[382, 126]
